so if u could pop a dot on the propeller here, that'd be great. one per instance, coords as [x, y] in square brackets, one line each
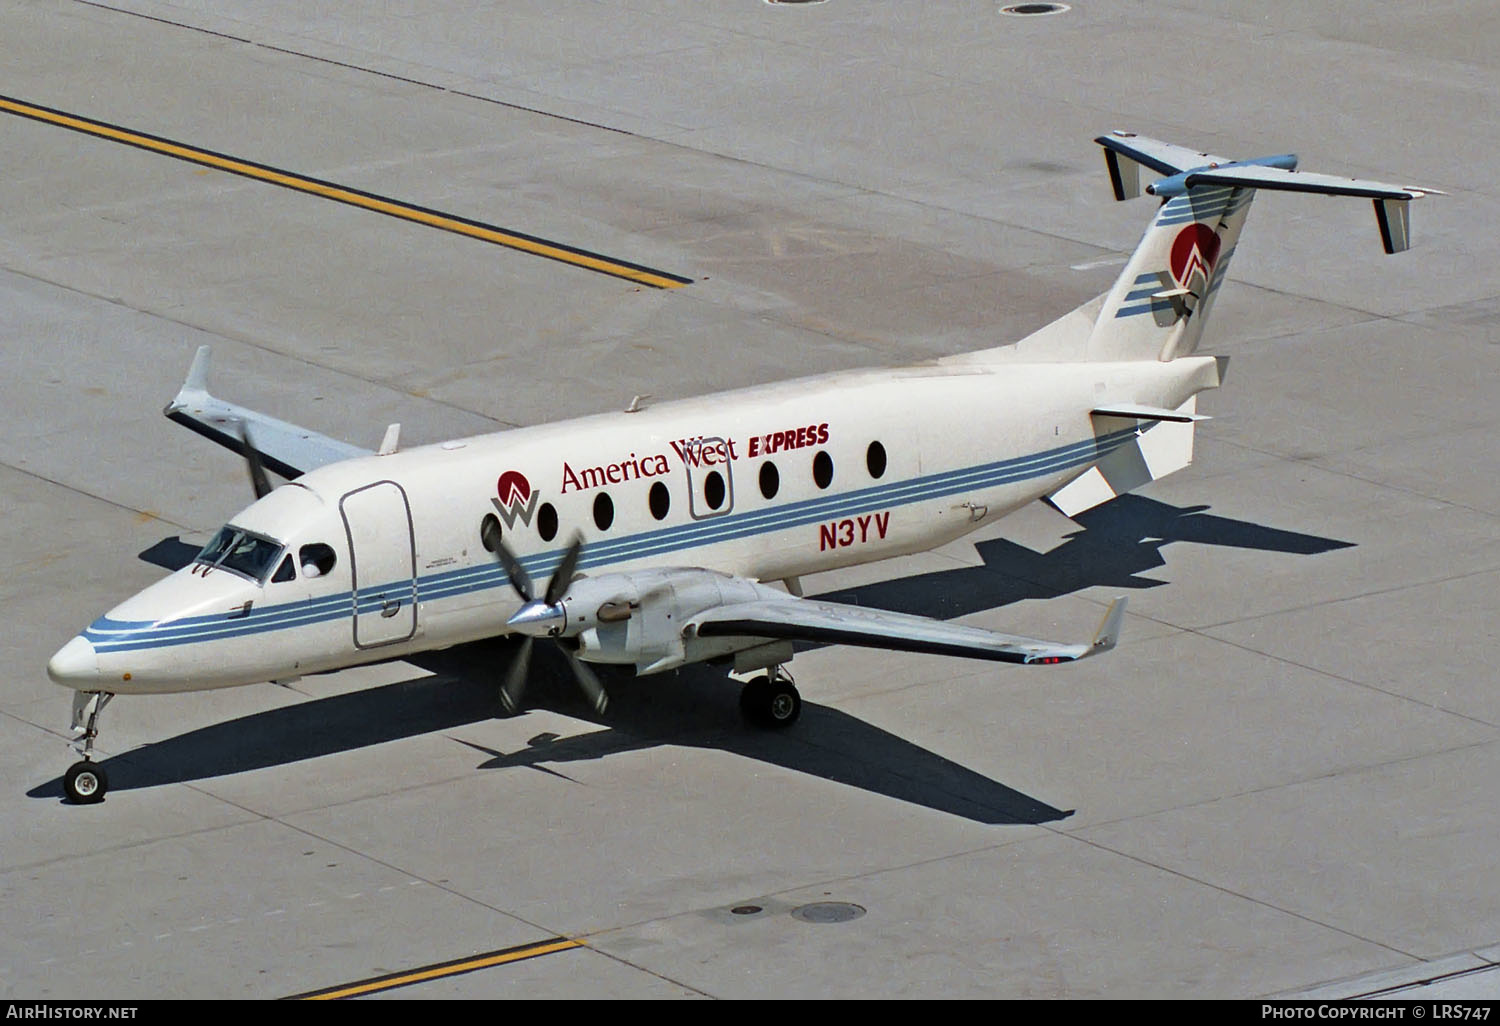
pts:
[258, 479]
[541, 618]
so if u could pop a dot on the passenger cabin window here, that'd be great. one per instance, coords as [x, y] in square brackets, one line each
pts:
[875, 459]
[317, 560]
[660, 500]
[823, 469]
[713, 489]
[546, 521]
[604, 511]
[770, 479]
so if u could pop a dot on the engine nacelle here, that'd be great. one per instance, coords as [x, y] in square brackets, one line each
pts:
[638, 618]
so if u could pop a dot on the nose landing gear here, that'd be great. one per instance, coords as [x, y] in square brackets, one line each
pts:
[85, 783]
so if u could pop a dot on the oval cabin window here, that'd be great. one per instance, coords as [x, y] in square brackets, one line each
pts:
[713, 489]
[546, 521]
[770, 480]
[823, 469]
[604, 511]
[660, 500]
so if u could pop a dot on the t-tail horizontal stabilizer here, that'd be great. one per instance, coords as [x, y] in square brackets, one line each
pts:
[1181, 169]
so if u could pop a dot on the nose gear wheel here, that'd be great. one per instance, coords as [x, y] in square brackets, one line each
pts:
[85, 783]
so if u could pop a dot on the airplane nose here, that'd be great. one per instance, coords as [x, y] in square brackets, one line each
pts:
[76, 665]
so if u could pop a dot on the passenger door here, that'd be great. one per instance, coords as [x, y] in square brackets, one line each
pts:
[382, 563]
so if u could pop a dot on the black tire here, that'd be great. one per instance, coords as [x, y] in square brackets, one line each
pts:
[753, 700]
[85, 783]
[773, 704]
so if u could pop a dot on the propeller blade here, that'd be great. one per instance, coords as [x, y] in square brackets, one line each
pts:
[592, 689]
[558, 586]
[515, 681]
[258, 479]
[519, 579]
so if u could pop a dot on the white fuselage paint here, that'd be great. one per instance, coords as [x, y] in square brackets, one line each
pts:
[966, 441]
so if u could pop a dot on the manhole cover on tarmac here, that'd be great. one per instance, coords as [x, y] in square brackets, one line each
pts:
[1022, 9]
[827, 912]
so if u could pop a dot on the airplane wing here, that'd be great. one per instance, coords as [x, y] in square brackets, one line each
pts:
[799, 619]
[289, 450]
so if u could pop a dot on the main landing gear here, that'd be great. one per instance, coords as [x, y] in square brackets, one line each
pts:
[85, 783]
[771, 700]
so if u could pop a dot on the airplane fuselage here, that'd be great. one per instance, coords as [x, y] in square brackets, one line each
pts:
[768, 483]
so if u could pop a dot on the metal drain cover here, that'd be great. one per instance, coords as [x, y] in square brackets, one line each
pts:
[827, 912]
[1033, 8]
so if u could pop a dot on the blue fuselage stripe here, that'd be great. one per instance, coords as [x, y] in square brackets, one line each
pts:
[118, 636]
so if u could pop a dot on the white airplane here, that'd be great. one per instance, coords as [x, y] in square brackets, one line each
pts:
[659, 528]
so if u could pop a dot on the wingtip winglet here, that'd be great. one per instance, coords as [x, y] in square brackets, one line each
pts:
[195, 384]
[197, 375]
[1109, 628]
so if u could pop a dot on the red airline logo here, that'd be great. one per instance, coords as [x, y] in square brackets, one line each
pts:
[513, 488]
[1193, 253]
[516, 499]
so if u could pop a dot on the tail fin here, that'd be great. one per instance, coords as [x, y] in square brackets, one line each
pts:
[1158, 307]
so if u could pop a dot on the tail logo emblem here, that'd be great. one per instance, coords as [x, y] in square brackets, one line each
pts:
[516, 499]
[1193, 254]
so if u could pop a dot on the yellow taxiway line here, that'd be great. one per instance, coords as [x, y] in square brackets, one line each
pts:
[435, 972]
[353, 197]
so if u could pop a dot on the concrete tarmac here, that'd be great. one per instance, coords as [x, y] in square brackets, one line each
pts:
[1281, 783]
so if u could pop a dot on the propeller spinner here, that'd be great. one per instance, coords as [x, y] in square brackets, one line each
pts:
[543, 617]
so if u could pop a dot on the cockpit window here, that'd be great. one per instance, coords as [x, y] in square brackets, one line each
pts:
[235, 549]
[317, 560]
[215, 549]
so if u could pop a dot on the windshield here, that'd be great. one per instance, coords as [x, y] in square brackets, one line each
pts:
[236, 549]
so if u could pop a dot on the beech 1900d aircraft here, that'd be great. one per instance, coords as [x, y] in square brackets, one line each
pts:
[657, 530]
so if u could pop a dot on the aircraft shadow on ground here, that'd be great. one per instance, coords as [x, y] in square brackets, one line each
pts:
[1119, 542]
[699, 706]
